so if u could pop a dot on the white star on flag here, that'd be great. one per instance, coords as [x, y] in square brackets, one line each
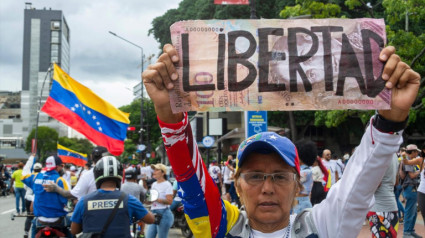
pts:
[273, 137]
[181, 192]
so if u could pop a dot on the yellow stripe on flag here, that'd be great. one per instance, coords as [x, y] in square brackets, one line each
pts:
[88, 97]
[61, 147]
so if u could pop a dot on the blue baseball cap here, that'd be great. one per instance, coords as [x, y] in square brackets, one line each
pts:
[269, 142]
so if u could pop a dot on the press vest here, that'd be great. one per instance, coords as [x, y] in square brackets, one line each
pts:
[98, 206]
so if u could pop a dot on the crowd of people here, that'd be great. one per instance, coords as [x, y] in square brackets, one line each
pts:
[306, 195]
[81, 199]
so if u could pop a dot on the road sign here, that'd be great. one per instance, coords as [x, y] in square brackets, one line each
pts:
[255, 122]
[208, 141]
[141, 147]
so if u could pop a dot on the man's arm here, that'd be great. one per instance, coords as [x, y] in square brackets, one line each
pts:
[54, 188]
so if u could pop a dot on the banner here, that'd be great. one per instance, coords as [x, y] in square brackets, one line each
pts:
[303, 64]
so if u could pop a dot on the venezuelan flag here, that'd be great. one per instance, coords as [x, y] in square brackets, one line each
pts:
[78, 107]
[71, 157]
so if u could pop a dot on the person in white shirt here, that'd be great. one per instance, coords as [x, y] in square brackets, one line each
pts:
[162, 204]
[330, 165]
[215, 173]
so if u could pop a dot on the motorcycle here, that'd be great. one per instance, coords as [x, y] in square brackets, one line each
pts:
[45, 230]
[180, 222]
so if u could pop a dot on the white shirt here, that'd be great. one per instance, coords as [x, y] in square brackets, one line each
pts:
[284, 233]
[421, 187]
[163, 188]
[85, 185]
[332, 166]
[214, 171]
[67, 177]
[226, 174]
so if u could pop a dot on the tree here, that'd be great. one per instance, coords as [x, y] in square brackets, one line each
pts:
[410, 45]
[205, 9]
[47, 139]
[409, 41]
[150, 131]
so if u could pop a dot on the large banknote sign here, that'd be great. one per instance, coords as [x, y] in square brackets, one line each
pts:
[320, 64]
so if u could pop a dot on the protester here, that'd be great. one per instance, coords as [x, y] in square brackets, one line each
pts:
[320, 178]
[177, 200]
[267, 203]
[162, 204]
[137, 190]
[398, 189]
[29, 199]
[421, 188]
[410, 185]
[383, 219]
[18, 188]
[93, 210]
[215, 173]
[49, 208]
[307, 153]
[331, 165]
[225, 171]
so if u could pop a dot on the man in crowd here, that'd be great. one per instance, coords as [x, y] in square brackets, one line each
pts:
[330, 165]
[215, 173]
[48, 207]
[19, 188]
[89, 217]
[410, 185]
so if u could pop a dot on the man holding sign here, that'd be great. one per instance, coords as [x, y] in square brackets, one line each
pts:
[267, 202]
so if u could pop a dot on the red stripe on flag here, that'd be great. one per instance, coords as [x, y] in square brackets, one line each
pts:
[73, 160]
[68, 117]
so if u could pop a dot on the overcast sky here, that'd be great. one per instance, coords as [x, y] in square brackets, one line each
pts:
[104, 63]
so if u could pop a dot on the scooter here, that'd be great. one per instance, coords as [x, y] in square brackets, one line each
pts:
[180, 222]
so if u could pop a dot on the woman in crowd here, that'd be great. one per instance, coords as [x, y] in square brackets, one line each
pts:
[267, 176]
[162, 204]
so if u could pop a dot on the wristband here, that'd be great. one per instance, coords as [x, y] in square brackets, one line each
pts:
[388, 126]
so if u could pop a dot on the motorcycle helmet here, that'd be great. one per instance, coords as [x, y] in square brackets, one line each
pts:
[130, 173]
[98, 152]
[108, 168]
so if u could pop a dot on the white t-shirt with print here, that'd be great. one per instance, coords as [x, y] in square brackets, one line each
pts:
[163, 188]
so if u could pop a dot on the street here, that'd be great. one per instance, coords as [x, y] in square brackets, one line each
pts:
[15, 229]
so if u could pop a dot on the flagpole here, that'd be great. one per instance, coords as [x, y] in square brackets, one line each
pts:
[253, 9]
[141, 87]
[38, 110]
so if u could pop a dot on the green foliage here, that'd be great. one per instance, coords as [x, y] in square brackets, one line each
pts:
[312, 8]
[47, 139]
[151, 132]
[205, 9]
[80, 145]
[408, 44]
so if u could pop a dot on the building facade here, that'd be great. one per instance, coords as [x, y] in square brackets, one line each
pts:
[46, 41]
